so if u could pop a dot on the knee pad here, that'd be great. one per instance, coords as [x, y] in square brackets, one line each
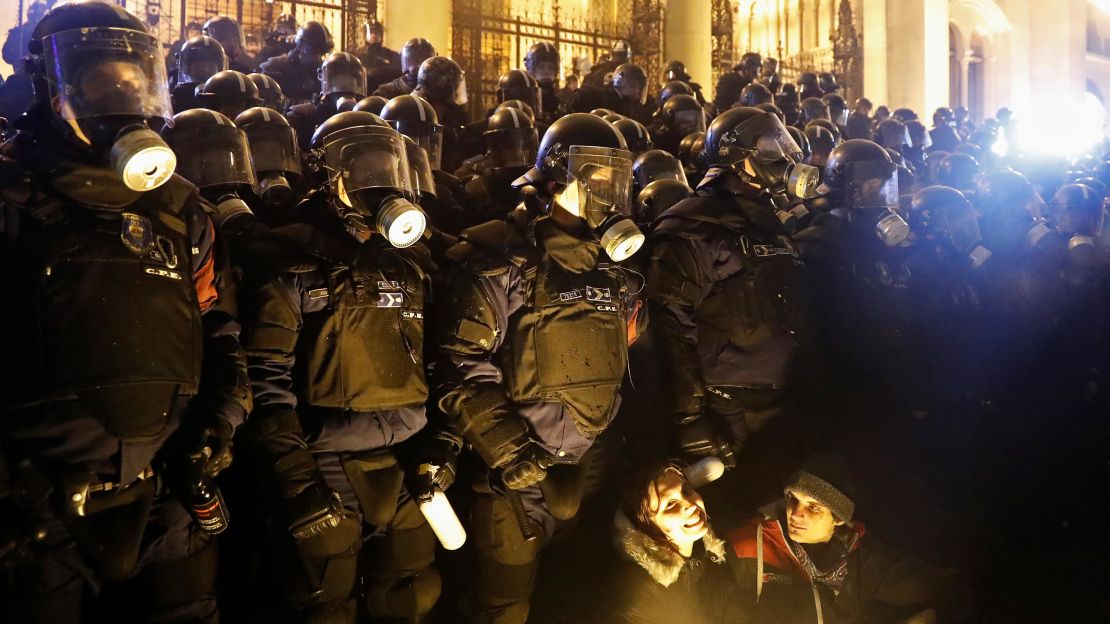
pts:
[409, 597]
[399, 553]
[562, 491]
[311, 584]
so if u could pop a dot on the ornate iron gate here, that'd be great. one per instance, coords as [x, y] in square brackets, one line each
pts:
[490, 37]
[724, 51]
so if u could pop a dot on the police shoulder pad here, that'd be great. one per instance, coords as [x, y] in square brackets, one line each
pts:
[492, 248]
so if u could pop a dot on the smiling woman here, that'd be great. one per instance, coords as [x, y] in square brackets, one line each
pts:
[671, 564]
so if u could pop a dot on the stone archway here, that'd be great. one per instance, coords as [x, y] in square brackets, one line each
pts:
[980, 33]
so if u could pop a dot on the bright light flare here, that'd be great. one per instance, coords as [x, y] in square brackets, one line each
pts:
[1062, 128]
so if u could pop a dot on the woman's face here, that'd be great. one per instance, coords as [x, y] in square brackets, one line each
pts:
[679, 511]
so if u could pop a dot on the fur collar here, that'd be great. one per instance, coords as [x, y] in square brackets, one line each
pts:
[660, 562]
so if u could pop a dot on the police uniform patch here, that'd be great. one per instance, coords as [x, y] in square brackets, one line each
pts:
[390, 299]
[598, 295]
[136, 233]
[570, 295]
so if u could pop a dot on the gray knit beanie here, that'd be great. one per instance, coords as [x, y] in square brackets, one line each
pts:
[827, 479]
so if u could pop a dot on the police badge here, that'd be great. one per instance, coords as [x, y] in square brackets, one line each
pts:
[136, 233]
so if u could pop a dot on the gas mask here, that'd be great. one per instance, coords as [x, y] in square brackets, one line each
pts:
[598, 190]
[764, 154]
[106, 83]
[275, 155]
[871, 194]
[370, 178]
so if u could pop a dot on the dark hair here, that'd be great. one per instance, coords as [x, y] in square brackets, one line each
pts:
[634, 503]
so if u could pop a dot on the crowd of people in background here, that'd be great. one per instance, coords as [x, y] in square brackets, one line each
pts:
[414, 330]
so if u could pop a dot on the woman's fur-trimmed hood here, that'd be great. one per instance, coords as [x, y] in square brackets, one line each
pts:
[663, 564]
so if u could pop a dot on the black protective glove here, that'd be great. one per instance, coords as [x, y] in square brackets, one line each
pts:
[527, 467]
[314, 511]
[213, 433]
[698, 437]
[437, 465]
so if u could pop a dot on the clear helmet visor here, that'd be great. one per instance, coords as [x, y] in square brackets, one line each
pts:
[274, 148]
[599, 183]
[93, 72]
[872, 184]
[546, 71]
[839, 116]
[423, 181]
[633, 90]
[367, 157]
[219, 156]
[342, 80]
[963, 228]
[461, 97]
[199, 70]
[762, 137]
[688, 121]
[513, 148]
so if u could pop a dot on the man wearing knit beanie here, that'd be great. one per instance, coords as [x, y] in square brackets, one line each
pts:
[819, 499]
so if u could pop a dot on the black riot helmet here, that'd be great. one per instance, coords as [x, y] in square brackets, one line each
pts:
[813, 109]
[199, 59]
[821, 144]
[655, 165]
[212, 152]
[314, 40]
[542, 62]
[105, 75]
[588, 161]
[774, 110]
[826, 81]
[958, 171]
[749, 66]
[270, 92]
[655, 198]
[602, 112]
[671, 89]
[680, 116]
[676, 71]
[414, 117]
[944, 116]
[635, 135]
[368, 175]
[621, 51]
[892, 134]
[904, 114]
[520, 105]
[440, 79]
[802, 140]
[371, 104]
[518, 84]
[511, 139]
[685, 146]
[286, 24]
[944, 217]
[227, 32]
[838, 108]
[1076, 210]
[413, 54]
[342, 80]
[229, 92]
[630, 82]
[1009, 206]
[755, 94]
[275, 154]
[828, 125]
[861, 177]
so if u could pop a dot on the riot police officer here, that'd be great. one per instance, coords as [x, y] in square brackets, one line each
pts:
[813, 109]
[755, 95]
[726, 335]
[732, 83]
[115, 423]
[342, 85]
[627, 95]
[230, 36]
[654, 165]
[297, 71]
[413, 54]
[336, 356]
[200, 58]
[636, 136]
[679, 117]
[509, 371]
[542, 62]
[442, 83]
[279, 41]
[511, 143]
[382, 64]
[676, 72]
[414, 117]
[276, 158]
[620, 54]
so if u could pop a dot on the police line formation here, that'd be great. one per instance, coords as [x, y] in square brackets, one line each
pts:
[366, 294]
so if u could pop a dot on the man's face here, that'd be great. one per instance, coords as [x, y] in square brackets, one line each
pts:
[113, 87]
[679, 511]
[807, 520]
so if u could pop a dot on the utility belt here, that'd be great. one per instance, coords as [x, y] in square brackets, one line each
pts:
[107, 519]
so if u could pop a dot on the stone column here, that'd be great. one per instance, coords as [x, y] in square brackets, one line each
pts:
[688, 37]
[917, 62]
[430, 19]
